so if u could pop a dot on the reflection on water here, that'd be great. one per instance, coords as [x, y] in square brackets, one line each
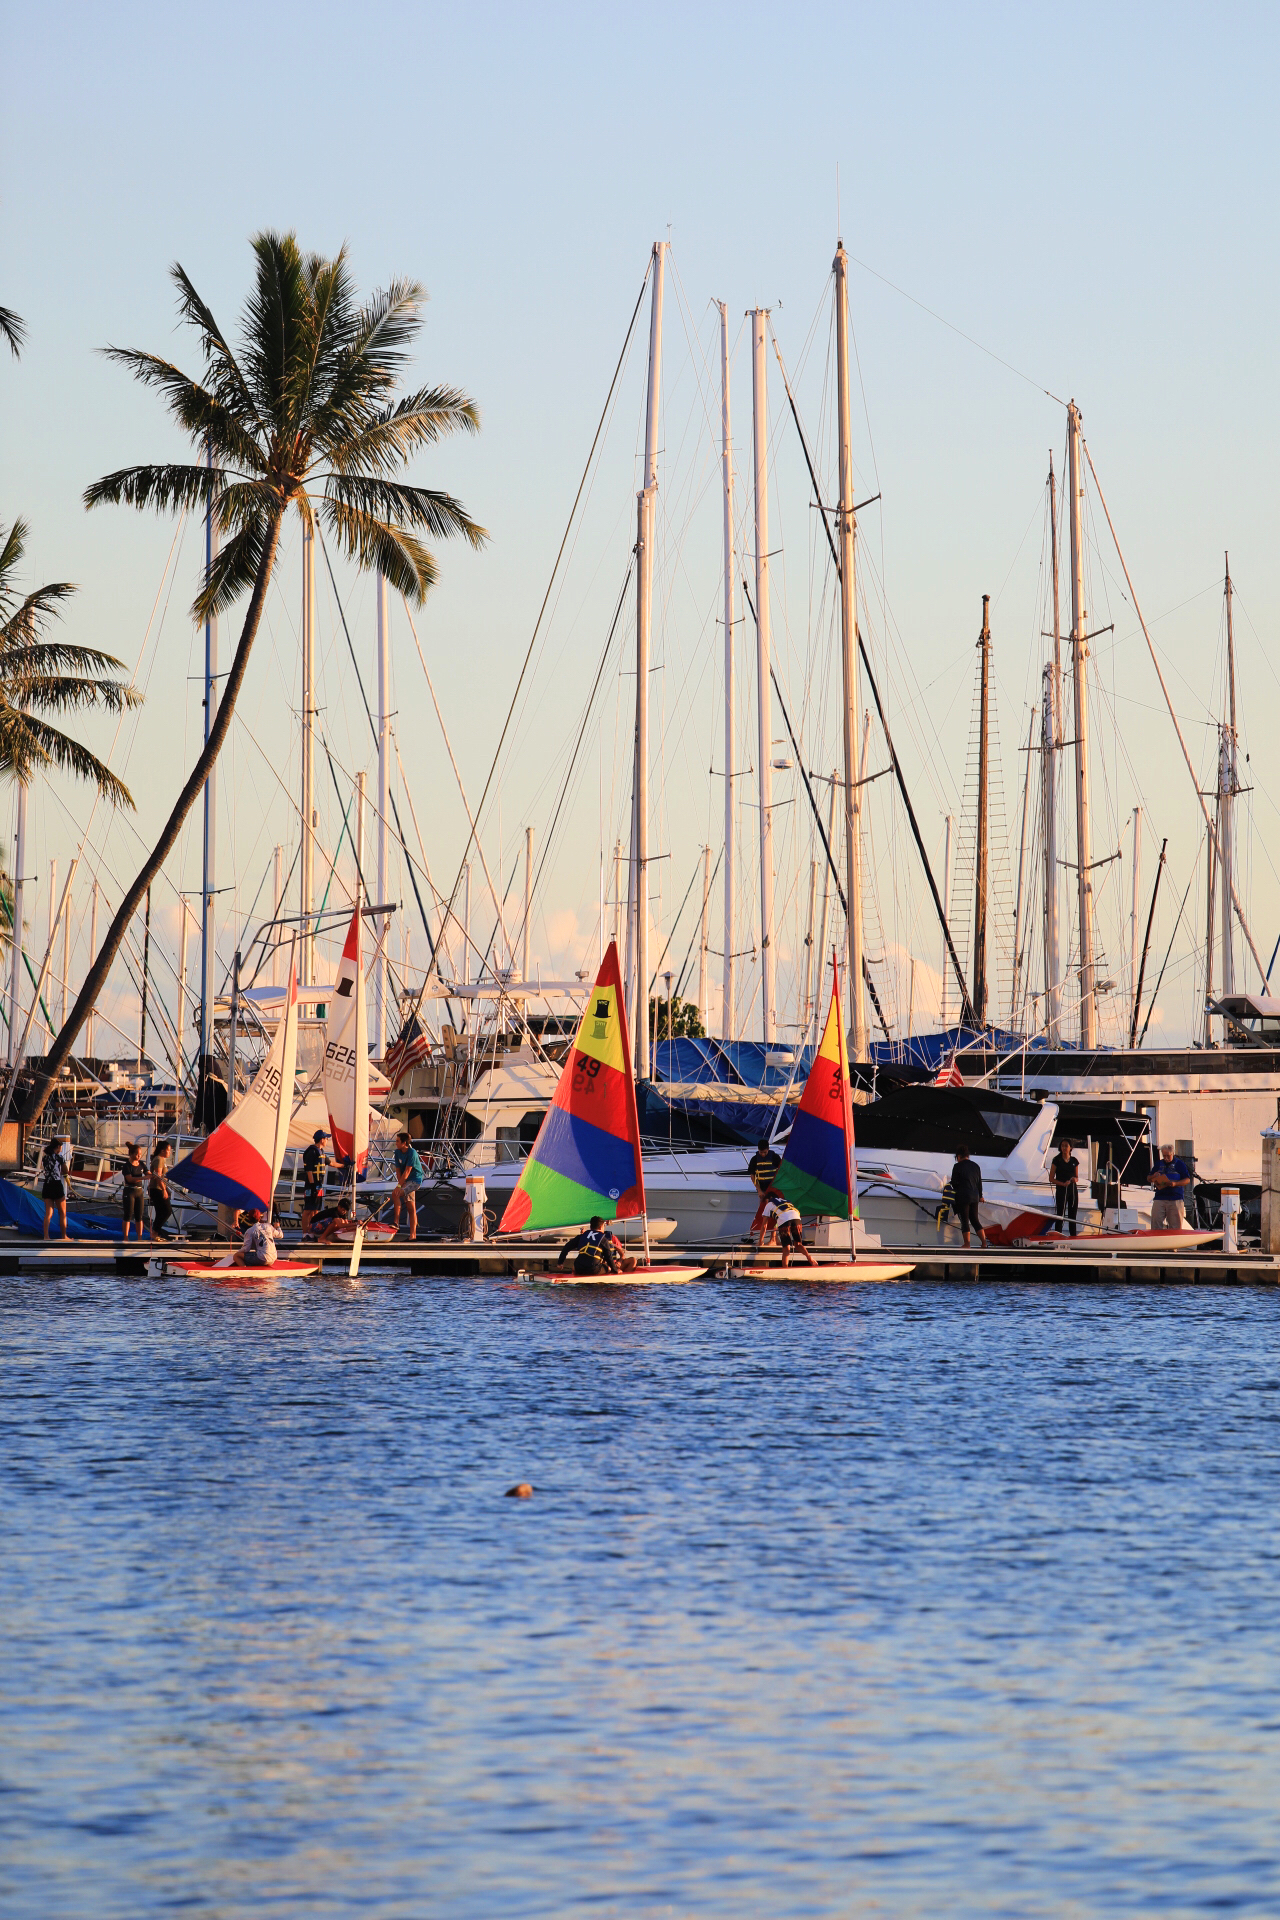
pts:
[910, 1600]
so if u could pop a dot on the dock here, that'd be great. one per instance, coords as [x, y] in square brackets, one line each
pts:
[454, 1259]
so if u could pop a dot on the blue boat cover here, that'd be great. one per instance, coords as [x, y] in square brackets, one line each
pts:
[24, 1210]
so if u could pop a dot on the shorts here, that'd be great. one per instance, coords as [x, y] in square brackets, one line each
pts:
[131, 1207]
[312, 1197]
[967, 1214]
[53, 1191]
[790, 1234]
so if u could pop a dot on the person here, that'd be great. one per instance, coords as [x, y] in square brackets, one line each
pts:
[328, 1223]
[314, 1169]
[258, 1248]
[1169, 1177]
[158, 1192]
[409, 1177]
[763, 1166]
[782, 1226]
[133, 1182]
[1064, 1173]
[596, 1250]
[966, 1186]
[53, 1183]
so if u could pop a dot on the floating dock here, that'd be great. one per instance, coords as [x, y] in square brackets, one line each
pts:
[475, 1259]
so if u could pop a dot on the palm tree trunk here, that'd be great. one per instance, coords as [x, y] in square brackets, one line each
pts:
[96, 979]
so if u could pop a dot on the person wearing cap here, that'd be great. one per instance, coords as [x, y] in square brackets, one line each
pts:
[315, 1165]
[258, 1248]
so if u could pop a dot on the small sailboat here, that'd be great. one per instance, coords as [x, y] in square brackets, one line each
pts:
[239, 1164]
[346, 1056]
[819, 1172]
[586, 1159]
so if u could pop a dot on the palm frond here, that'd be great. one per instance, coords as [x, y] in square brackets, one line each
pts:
[228, 382]
[377, 544]
[14, 329]
[235, 568]
[28, 744]
[393, 500]
[166, 488]
[22, 627]
[197, 411]
[419, 420]
[15, 545]
[46, 691]
[370, 365]
[278, 331]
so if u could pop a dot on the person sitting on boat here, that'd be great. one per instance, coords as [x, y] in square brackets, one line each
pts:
[409, 1177]
[329, 1223]
[763, 1166]
[596, 1249]
[53, 1183]
[314, 1168]
[966, 1188]
[1064, 1173]
[782, 1227]
[133, 1186]
[158, 1192]
[258, 1248]
[1170, 1178]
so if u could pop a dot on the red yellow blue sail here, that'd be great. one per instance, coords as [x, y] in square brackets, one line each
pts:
[586, 1158]
[819, 1171]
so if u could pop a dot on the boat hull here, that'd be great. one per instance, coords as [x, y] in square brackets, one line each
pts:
[827, 1271]
[637, 1277]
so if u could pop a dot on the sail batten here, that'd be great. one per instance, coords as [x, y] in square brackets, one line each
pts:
[586, 1158]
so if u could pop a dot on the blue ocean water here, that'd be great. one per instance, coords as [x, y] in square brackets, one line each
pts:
[919, 1599]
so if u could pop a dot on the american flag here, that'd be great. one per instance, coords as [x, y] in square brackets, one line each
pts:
[406, 1052]
[948, 1076]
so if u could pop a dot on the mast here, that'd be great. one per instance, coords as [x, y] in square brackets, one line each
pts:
[1050, 748]
[146, 971]
[66, 961]
[647, 519]
[617, 894]
[726, 454]
[946, 896]
[980, 851]
[821, 968]
[528, 903]
[1228, 787]
[704, 1011]
[1022, 860]
[15, 956]
[181, 1021]
[93, 949]
[208, 928]
[278, 896]
[1079, 655]
[846, 529]
[764, 700]
[806, 998]
[1211, 877]
[1137, 888]
[381, 1037]
[53, 894]
[307, 874]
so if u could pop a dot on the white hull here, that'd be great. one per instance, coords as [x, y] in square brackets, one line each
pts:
[828, 1270]
[638, 1277]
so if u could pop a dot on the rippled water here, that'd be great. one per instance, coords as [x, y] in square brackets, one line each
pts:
[919, 1599]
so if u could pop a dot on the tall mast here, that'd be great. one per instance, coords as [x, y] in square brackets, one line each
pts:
[209, 884]
[820, 965]
[93, 954]
[764, 701]
[847, 534]
[1210, 879]
[1135, 907]
[1228, 787]
[704, 1010]
[307, 878]
[528, 904]
[980, 851]
[946, 904]
[180, 1023]
[1079, 655]
[1050, 748]
[15, 931]
[277, 894]
[726, 453]
[1022, 861]
[381, 1038]
[646, 523]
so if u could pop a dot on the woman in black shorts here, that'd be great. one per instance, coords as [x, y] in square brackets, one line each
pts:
[133, 1182]
[53, 1184]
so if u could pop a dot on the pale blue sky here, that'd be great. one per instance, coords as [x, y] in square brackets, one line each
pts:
[1090, 194]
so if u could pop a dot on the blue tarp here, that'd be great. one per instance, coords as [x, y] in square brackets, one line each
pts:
[24, 1210]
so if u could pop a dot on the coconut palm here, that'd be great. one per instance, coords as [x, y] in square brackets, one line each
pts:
[14, 330]
[301, 418]
[40, 676]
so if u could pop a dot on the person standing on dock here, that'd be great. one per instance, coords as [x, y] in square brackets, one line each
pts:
[763, 1166]
[314, 1168]
[409, 1177]
[53, 1183]
[1169, 1177]
[133, 1184]
[966, 1186]
[158, 1192]
[1064, 1172]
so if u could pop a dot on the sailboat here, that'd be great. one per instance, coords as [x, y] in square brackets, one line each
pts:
[239, 1164]
[346, 1081]
[819, 1171]
[585, 1161]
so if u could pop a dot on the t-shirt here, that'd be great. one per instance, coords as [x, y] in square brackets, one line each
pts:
[259, 1244]
[1065, 1168]
[53, 1168]
[407, 1161]
[780, 1210]
[966, 1180]
[1177, 1172]
[133, 1174]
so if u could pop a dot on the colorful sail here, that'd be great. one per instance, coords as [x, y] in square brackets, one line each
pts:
[239, 1164]
[346, 1056]
[819, 1171]
[586, 1158]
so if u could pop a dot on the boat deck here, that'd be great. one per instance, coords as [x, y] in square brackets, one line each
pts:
[470, 1260]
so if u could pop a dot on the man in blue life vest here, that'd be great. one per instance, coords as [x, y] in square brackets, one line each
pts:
[596, 1251]
[1170, 1177]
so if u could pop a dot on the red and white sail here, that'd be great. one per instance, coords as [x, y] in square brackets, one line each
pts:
[239, 1164]
[346, 1055]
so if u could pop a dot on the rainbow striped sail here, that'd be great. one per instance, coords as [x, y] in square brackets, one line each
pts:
[819, 1172]
[586, 1158]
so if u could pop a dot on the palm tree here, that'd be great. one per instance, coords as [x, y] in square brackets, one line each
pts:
[14, 330]
[39, 676]
[303, 417]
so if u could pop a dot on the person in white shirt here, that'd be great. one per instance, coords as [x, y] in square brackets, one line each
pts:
[258, 1248]
[781, 1224]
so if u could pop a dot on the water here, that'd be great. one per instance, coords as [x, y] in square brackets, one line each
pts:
[918, 1599]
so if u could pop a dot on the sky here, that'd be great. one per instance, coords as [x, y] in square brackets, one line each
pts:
[1037, 208]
